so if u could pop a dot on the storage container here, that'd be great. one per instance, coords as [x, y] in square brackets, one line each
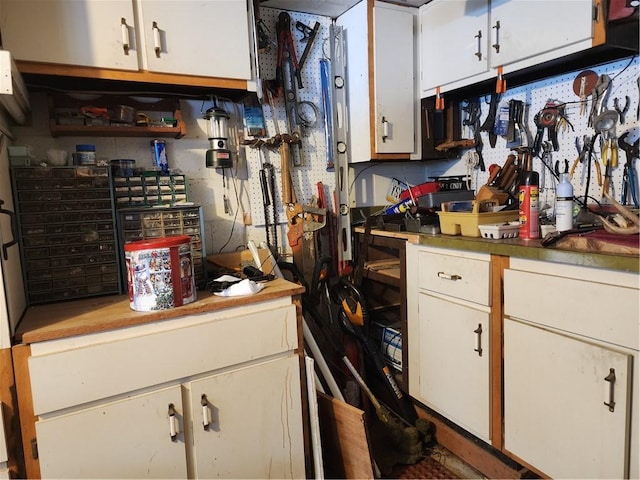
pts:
[160, 273]
[466, 223]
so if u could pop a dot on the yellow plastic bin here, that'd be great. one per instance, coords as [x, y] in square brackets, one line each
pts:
[466, 223]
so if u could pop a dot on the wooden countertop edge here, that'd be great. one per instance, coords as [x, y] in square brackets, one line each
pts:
[98, 314]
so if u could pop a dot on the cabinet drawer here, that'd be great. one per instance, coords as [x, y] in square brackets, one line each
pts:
[76, 376]
[462, 276]
[601, 311]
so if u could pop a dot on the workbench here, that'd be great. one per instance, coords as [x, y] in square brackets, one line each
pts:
[107, 391]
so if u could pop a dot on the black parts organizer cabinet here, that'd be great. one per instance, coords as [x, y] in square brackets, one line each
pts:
[67, 232]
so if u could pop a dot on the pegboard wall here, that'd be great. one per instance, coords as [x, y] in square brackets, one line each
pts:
[314, 150]
[624, 76]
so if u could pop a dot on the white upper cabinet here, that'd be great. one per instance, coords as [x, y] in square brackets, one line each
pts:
[465, 41]
[394, 79]
[67, 32]
[446, 57]
[522, 29]
[381, 81]
[208, 39]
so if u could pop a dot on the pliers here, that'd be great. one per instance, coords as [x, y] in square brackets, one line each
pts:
[584, 153]
[556, 167]
[622, 112]
[629, 176]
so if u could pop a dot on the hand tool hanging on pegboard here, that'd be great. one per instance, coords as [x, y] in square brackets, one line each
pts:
[268, 186]
[289, 80]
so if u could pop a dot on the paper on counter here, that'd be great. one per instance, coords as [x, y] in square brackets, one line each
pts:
[243, 287]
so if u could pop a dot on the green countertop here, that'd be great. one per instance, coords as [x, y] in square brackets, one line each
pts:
[531, 249]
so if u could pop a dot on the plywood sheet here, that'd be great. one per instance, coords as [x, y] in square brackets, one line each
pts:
[345, 444]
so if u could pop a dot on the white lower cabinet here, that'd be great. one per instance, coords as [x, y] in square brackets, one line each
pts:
[571, 341]
[448, 312]
[263, 423]
[126, 438]
[454, 359]
[208, 395]
[566, 403]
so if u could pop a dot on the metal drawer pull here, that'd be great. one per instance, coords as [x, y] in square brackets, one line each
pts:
[206, 412]
[173, 423]
[14, 230]
[448, 276]
[156, 39]
[497, 44]
[125, 35]
[385, 129]
[611, 378]
[479, 52]
[478, 332]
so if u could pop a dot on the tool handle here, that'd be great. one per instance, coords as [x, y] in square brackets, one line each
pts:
[287, 196]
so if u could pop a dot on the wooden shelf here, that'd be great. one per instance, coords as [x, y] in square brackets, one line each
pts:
[386, 271]
[67, 107]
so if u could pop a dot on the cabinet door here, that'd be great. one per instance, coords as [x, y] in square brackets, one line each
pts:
[454, 362]
[555, 396]
[84, 33]
[128, 438]
[189, 37]
[453, 41]
[528, 28]
[394, 80]
[254, 418]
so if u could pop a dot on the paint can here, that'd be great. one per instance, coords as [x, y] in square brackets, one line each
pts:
[160, 273]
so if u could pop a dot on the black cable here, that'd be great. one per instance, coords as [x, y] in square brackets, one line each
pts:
[235, 217]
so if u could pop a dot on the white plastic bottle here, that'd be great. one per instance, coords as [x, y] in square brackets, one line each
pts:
[564, 204]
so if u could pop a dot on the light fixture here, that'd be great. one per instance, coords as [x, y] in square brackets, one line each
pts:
[14, 96]
[218, 155]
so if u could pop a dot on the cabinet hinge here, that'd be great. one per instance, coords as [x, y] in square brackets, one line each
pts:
[34, 448]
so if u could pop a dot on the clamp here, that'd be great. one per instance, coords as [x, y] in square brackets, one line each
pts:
[629, 176]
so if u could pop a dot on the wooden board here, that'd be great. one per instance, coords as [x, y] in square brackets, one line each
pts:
[601, 242]
[9, 413]
[345, 444]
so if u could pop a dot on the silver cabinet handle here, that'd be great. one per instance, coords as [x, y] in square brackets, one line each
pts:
[385, 129]
[448, 276]
[611, 378]
[206, 412]
[14, 229]
[497, 44]
[157, 44]
[479, 51]
[478, 332]
[124, 28]
[173, 423]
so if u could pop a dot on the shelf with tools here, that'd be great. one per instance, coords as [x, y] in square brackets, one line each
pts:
[380, 276]
[83, 114]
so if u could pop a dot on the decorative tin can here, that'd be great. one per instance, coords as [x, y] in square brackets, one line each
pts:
[160, 273]
[159, 155]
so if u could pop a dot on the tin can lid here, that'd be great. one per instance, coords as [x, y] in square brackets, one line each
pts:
[85, 148]
[165, 242]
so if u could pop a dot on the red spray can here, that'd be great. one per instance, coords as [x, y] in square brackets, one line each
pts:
[529, 211]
